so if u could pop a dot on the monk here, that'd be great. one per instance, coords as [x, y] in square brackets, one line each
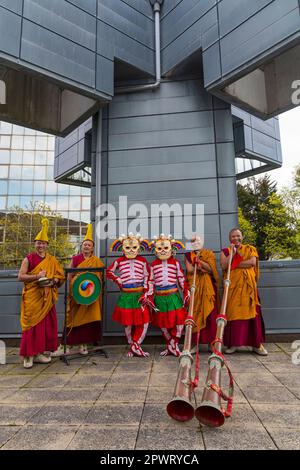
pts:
[206, 300]
[38, 314]
[83, 321]
[245, 325]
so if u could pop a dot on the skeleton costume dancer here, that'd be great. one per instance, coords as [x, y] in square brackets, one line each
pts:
[166, 275]
[132, 310]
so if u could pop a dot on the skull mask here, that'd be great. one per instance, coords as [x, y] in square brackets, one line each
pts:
[131, 247]
[163, 249]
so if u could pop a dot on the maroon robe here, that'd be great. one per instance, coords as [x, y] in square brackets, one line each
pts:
[43, 336]
[244, 332]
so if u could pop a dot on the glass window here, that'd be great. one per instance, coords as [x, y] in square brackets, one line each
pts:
[39, 187]
[13, 201]
[3, 171]
[28, 157]
[5, 127]
[18, 130]
[25, 201]
[50, 158]
[2, 203]
[5, 141]
[85, 216]
[63, 189]
[85, 203]
[51, 201]
[50, 173]
[15, 171]
[51, 188]
[16, 157]
[86, 191]
[40, 172]
[29, 131]
[14, 187]
[17, 142]
[29, 142]
[63, 203]
[41, 142]
[75, 203]
[3, 187]
[64, 214]
[51, 143]
[75, 216]
[4, 156]
[75, 190]
[27, 172]
[40, 157]
[26, 187]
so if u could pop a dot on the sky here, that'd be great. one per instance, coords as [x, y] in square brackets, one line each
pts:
[289, 124]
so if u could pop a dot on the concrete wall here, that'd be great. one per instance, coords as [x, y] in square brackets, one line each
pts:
[279, 287]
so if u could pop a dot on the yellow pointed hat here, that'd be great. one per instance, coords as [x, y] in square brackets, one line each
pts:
[89, 233]
[43, 234]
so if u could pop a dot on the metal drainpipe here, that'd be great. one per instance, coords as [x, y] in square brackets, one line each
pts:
[149, 86]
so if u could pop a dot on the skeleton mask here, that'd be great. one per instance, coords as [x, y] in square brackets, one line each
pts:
[163, 249]
[131, 247]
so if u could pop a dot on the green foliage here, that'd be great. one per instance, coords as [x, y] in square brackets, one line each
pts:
[273, 218]
[19, 228]
[247, 229]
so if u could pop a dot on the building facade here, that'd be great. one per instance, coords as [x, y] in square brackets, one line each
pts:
[159, 101]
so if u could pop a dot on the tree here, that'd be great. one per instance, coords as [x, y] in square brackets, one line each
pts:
[20, 226]
[270, 217]
[251, 196]
[280, 234]
[247, 229]
[291, 198]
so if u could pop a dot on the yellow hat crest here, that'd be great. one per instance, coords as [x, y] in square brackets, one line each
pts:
[43, 234]
[89, 233]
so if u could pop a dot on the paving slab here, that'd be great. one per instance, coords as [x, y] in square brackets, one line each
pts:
[105, 437]
[253, 437]
[61, 414]
[76, 395]
[88, 380]
[139, 379]
[17, 414]
[7, 432]
[11, 381]
[115, 414]
[285, 439]
[281, 415]
[115, 394]
[169, 439]
[41, 438]
[48, 381]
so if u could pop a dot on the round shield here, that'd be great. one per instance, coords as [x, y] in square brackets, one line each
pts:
[86, 288]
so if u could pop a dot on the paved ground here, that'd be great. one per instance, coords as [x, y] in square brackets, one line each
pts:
[119, 403]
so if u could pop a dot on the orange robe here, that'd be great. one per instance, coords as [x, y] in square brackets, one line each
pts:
[242, 294]
[37, 301]
[207, 289]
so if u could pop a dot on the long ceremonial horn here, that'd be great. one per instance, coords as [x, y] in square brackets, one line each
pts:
[210, 411]
[180, 407]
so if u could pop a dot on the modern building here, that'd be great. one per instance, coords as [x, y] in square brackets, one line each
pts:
[159, 101]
